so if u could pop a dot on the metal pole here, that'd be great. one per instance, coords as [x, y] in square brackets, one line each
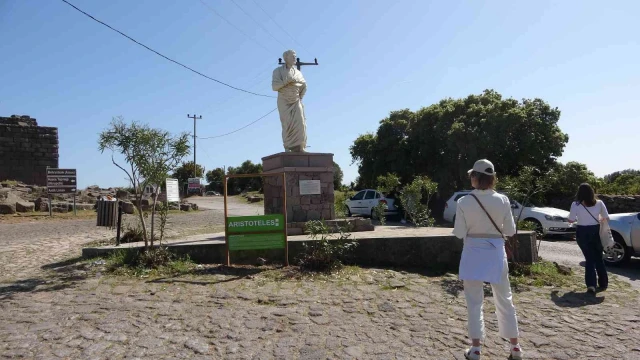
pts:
[195, 166]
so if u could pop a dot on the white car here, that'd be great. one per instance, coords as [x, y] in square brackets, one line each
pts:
[548, 220]
[625, 229]
[363, 202]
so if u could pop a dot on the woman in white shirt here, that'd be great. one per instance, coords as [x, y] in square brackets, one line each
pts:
[483, 218]
[589, 212]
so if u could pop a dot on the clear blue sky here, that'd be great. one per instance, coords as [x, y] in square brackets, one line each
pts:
[375, 56]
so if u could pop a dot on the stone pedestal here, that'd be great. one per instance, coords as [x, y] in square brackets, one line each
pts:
[297, 167]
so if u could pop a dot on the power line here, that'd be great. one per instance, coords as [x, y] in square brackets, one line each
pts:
[235, 27]
[165, 57]
[255, 21]
[242, 128]
[281, 28]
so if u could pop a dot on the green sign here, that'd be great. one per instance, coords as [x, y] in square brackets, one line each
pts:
[254, 224]
[256, 232]
[256, 241]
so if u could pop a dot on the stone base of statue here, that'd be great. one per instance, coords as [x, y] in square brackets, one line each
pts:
[310, 193]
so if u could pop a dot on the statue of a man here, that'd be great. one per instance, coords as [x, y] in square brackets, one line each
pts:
[291, 87]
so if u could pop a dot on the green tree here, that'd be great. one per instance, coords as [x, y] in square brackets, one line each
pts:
[215, 178]
[150, 155]
[443, 140]
[625, 182]
[564, 180]
[238, 185]
[186, 171]
[338, 175]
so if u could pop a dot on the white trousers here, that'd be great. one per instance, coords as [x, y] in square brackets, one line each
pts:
[506, 312]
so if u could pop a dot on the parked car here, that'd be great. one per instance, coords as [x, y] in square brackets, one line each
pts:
[547, 220]
[212, 193]
[625, 229]
[364, 201]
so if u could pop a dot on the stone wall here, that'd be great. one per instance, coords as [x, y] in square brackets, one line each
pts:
[297, 167]
[615, 203]
[435, 252]
[26, 150]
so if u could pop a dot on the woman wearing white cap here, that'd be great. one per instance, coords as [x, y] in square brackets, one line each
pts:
[483, 219]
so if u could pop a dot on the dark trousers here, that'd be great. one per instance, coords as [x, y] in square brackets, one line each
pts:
[588, 238]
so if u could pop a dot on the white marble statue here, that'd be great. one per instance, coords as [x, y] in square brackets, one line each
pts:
[291, 87]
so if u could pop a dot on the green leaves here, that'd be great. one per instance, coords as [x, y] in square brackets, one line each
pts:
[443, 140]
[411, 197]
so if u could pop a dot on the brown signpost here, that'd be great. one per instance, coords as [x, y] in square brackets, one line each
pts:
[62, 181]
[256, 232]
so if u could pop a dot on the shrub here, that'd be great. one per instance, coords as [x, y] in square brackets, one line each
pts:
[325, 252]
[415, 197]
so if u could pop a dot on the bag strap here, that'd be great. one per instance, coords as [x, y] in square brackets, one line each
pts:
[489, 216]
[594, 218]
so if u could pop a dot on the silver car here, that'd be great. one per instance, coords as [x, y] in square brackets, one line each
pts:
[625, 229]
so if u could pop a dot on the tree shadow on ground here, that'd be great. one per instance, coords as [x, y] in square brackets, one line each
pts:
[234, 273]
[575, 300]
[58, 276]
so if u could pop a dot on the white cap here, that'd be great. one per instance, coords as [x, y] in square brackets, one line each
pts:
[483, 166]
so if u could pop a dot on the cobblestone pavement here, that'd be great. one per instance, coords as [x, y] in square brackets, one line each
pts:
[74, 313]
[26, 246]
[54, 306]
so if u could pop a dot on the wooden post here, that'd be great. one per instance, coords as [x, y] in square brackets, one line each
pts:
[74, 205]
[284, 212]
[226, 226]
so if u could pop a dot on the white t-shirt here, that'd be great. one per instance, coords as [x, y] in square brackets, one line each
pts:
[585, 216]
[471, 219]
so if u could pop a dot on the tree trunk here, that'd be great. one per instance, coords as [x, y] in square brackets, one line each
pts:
[153, 215]
[138, 205]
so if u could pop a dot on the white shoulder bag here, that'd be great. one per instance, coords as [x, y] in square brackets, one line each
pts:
[605, 231]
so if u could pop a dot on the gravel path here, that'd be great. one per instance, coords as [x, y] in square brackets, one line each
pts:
[26, 247]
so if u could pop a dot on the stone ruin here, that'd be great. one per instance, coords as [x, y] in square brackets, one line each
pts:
[26, 149]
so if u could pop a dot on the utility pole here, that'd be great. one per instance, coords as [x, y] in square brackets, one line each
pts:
[195, 165]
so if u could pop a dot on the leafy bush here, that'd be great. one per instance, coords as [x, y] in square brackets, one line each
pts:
[325, 252]
[133, 233]
[414, 198]
[151, 262]
[154, 258]
[340, 203]
[379, 212]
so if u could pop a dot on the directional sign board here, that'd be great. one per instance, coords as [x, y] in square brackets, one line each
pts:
[173, 193]
[194, 183]
[61, 181]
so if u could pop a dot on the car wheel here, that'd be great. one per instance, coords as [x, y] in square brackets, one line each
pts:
[620, 254]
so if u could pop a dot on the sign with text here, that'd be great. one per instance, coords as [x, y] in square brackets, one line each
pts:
[194, 183]
[256, 232]
[310, 187]
[253, 224]
[173, 190]
[256, 241]
[61, 181]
